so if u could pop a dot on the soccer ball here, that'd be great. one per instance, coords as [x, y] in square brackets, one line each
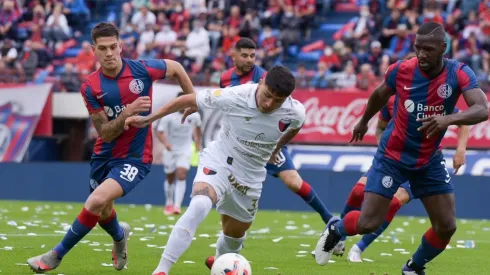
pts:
[231, 264]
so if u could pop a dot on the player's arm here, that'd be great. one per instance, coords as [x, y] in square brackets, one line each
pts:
[379, 98]
[198, 137]
[477, 112]
[175, 105]
[285, 139]
[162, 129]
[176, 71]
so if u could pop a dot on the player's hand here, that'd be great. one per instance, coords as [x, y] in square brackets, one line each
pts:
[136, 121]
[433, 125]
[459, 160]
[168, 147]
[187, 112]
[359, 131]
[274, 159]
[140, 105]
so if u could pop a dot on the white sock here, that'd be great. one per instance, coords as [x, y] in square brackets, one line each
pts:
[181, 236]
[226, 244]
[179, 192]
[169, 193]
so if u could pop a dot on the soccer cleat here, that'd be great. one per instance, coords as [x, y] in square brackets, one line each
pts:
[339, 249]
[45, 262]
[169, 210]
[177, 211]
[327, 242]
[160, 273]
[410, 268]
[209, 262]
[120, 249]
[354, 255]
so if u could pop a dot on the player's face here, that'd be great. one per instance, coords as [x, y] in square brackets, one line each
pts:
[429, 51]
[267, 100]
[108, 52]
[244, 59]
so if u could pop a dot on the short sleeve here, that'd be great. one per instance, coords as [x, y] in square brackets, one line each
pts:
[91, 102]
[197, 121]
[216, 98]
[384, 114]
[466, 78]
[162, 125]
[390, 76]
[300, 117]
[157, 68]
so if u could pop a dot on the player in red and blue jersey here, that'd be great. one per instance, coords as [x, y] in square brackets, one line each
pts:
[244, 72]
[426, 90]
[403, 195]
[122, 158]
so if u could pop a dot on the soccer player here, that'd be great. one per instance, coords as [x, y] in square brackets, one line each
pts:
[258, 120]
[245, 71]
[121, 88]
[403, 195]
[427, 88]
[177, 139]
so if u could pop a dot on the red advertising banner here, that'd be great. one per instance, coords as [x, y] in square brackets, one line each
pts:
[331, 116]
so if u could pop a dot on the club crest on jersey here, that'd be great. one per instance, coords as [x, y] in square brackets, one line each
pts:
[208, 171]
[444, 91]
[136, 86]
[284, 124]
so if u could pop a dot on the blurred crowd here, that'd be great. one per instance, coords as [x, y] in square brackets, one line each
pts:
[200, 34]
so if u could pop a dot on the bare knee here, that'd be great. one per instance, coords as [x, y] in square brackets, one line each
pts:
[97, 203]
[181, 174]
[234, 228]
[292, 179]
[402, 195]
[368, 224]
[445, 229]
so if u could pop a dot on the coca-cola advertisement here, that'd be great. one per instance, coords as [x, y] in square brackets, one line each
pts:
[331, 116]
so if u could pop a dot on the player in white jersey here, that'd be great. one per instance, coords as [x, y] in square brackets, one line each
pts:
[259, 119]
[177, 140]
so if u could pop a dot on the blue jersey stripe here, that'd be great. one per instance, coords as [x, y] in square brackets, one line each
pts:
[235, 79]
[390, 127]
[411, 149]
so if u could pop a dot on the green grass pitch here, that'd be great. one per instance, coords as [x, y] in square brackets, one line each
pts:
[278, 243]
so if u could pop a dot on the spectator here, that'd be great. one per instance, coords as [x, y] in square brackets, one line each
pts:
[165, 39]
[321, 78]
[126, 16]
[28, 61]
[146, 37]
[272, 48]
[366, 78]
[8, 20]
[179, 18]
[148, 52]
[216, 5]
[57, 29]
[290, 26]
[230, 38]
[331, 59]
[302, 78]
[85, 60]
[195, 7]
[400, 44]
[70, 79]
[347, 78]
[197, 43]
[159, 6]
[143, 18]
[234, 20]
[8, 53]
[77, 14]
[138, 4]
[305, 11]
[390, 25]
[215, 29]
[8, 75]
[374, 56]
[250, 26]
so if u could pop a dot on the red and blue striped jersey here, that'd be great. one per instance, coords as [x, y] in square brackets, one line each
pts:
[386, 113]
[112, 95]
[418, 96]
[230, 78]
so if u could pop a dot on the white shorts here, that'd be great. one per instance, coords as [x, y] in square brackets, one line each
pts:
[234, 199]
[176, 159]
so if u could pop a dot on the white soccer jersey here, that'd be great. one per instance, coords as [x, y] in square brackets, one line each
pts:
[178, 135]
[248, 137]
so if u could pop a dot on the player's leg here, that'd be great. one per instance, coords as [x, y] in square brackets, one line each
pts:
[402, 196]
[169, 167]
[286, 171]
[436, 192]
[183, 165]
[169, 188]
[356, 197]
[383, 181]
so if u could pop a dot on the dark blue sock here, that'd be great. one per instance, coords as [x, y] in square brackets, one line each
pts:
[80, 227]
[311, 198]
[111, 226]
[431, 246]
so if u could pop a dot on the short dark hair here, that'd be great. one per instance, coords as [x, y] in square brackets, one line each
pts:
[245, 43]
[280, 81]
[104, 30]
[432, 28]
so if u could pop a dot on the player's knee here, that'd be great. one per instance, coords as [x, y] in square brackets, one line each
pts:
[96, 203]
[369, 224]
[181, 174]
[402, 195]
[445, 229]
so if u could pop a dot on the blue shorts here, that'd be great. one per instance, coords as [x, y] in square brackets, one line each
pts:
[286, 163]
[405, 185]
[385, 176]
[128, 173]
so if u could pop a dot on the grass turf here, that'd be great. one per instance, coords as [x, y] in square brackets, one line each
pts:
[278, 243]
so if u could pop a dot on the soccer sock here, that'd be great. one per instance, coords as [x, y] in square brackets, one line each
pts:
[181, 237]
[311, 198]
[111, 226]
[80, 227]
[354, 202]
[227, 244]
[367, 239]
[169, 193]
[431, 246]
[179, 193]
[348, 225]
